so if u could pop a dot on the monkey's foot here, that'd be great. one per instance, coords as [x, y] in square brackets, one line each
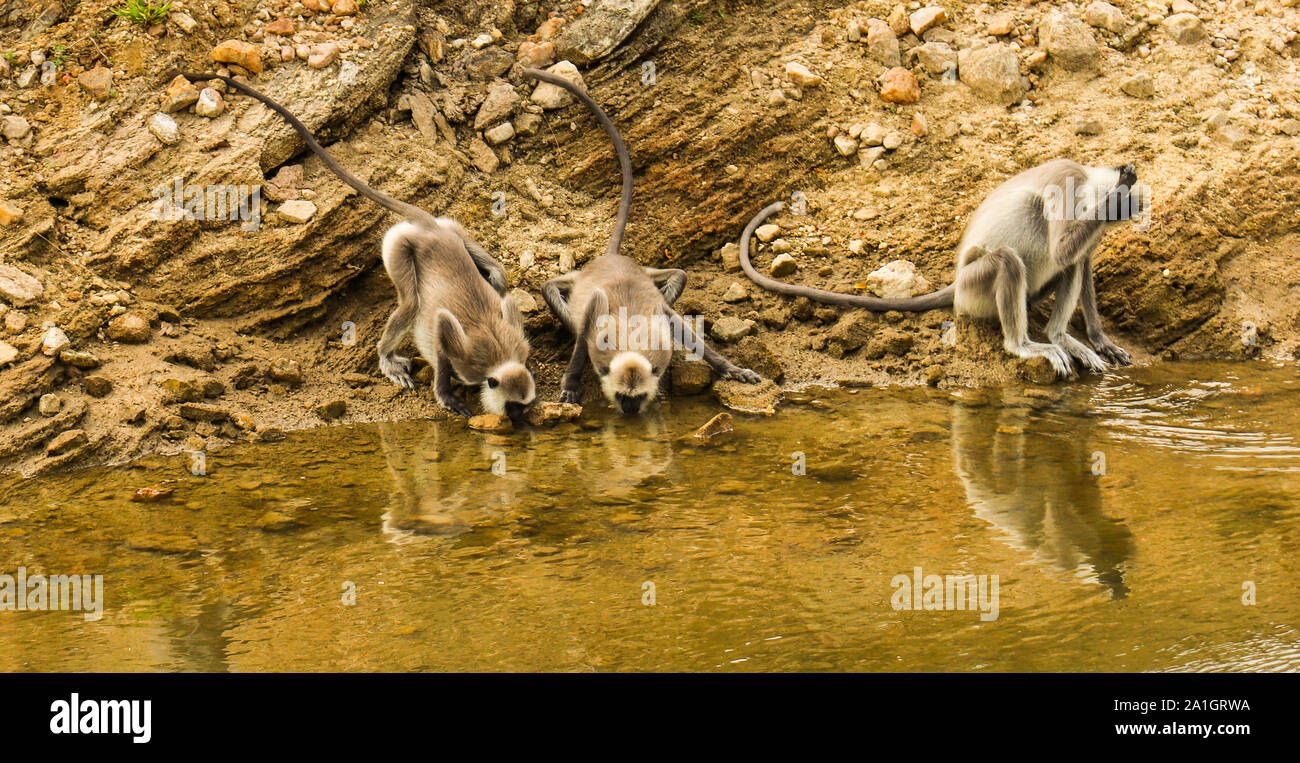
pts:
[1082, 353]
[571, 396]
[398, 370]
[454, 404]
[1058, 357]
[1111, 351]
[736, 373]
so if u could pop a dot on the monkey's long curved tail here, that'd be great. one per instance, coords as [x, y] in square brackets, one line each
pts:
[941, 298]
[410, 211]
[625, 163]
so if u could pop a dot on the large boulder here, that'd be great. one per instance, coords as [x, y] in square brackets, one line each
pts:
[993, 72]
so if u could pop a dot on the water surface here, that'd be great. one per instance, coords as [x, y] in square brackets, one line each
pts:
[1124, 517]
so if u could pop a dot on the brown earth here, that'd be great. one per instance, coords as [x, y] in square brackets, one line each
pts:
[711, 145]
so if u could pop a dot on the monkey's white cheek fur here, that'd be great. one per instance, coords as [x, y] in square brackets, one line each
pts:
[493, 401]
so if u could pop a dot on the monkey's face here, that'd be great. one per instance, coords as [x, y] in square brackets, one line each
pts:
[630, 352]
[630, 380]
[1128, 175]
[508, 390]
[1122, 194]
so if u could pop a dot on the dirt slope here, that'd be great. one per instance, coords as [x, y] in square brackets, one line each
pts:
[718, 131]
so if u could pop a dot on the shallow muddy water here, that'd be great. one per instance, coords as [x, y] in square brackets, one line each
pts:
[1128, 521]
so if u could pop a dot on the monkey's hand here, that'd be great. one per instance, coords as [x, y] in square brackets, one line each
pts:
[571, 395]
[1112, 352]
[736, 373]
[398, 370]
[451, 402]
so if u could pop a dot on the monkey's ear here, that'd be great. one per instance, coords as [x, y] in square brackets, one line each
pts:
[510, 311]
[451, 337]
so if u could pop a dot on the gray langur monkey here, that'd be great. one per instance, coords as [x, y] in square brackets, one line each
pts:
[614, 298]
[463, 324]
[1034, 235]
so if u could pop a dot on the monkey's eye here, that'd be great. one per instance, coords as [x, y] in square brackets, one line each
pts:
[604, 371]
[654, 372]
[493, 382]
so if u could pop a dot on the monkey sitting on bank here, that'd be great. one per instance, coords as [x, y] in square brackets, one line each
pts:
[450, 294]
[1033, 235]
[621, 313]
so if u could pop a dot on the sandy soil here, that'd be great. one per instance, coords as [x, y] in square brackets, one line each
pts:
[1214, 275]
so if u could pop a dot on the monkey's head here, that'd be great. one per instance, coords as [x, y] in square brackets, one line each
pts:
[492, 353]
[630, 380]
[508, 389]
[630, 351]
[1128, 175]
[508, 386]
[1123, 196]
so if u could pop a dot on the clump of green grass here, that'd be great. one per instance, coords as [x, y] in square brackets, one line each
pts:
[143, 12]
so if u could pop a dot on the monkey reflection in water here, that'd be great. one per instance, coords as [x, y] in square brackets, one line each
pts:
[1033, 480]
[445, 481]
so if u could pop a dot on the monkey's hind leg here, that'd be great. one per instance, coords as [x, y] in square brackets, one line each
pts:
[670, 281]
[1067, 297]
[396, 367]
[399, 262]
[487, 265]
[1001, 273]
[555, 293]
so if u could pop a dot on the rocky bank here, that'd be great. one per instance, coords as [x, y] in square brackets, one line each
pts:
[127, 328]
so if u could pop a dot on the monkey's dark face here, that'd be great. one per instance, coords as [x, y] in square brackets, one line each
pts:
[1125, 198]
[1128, 175]
[508, 390]
[630, 380]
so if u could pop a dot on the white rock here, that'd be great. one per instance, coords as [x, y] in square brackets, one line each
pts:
[550, 96]
[896, 280]
[321, 56]
[1140, 85]
[873, 135]
[53, 341]
[801, 75]
[868, 157]
[210, 103]
[499, 134]
[17, 287]
[15, 128]
[1105, 16]
[783, 265]
[186, 22]
[735, 293]
[767, 232]
[296, 211]
[845, 145]
[1185, 28]
[164, 128]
